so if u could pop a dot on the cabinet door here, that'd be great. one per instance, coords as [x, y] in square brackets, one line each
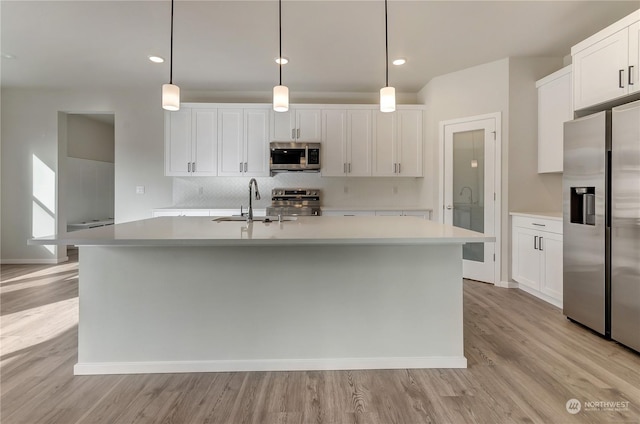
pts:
[600, 70]
[554, 109]
[359, 136]
[230, 142]
[633, 79]
[177, 142]
[308, 125]
[334, 143]
[551, 278]
[256, 134]
[283, 125]
[409, 143]
[204, 146]
[384, 144]
[526, 257]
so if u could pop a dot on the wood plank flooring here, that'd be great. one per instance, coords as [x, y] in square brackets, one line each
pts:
[525, 362]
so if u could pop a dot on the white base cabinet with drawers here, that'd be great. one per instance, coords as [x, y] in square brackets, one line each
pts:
[537, 256]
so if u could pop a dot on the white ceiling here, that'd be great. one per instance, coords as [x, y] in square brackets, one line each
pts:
[334, 46]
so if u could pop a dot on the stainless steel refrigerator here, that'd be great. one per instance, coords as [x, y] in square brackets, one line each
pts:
[601, 223]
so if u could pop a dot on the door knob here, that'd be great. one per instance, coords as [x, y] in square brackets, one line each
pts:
[449, 207]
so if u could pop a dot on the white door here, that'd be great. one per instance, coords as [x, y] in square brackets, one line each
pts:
[334, 143]
[359, 130]
[230, 142]
[469, 192]
[256, 146]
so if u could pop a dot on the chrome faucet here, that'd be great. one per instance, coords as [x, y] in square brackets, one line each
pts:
[250, 213]
[470, 194]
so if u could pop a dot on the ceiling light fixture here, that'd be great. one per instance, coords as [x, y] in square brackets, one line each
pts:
[387, 94]
[280, 92]
[400, 61]
[156, 59]
[171, 92]
[282, 60]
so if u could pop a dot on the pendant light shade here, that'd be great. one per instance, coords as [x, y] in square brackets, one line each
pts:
[280, 92]
[387, 94]
[280, 98]
[170, 97]
[171, 92]
[387, 99]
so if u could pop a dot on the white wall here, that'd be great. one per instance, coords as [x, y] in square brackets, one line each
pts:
[90, 139]
[30, 127]
[90, 190]
[506, 86]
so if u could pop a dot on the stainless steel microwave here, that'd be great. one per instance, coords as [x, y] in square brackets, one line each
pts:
[295, 156]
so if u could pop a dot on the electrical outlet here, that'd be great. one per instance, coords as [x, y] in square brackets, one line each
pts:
[139, 189]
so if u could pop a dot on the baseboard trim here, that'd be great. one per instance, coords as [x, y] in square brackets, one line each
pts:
[507, 284]
[53, 261]
[97, 368]
[542, 296]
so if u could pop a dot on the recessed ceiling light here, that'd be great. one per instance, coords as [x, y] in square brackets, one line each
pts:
[282, 60]
[400, 61]
[7, 56]
[156, 59]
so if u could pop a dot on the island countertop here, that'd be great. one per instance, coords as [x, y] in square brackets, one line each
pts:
[205, 231]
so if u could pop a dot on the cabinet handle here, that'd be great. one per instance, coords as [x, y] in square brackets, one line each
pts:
[540, 244]
[620, 77]
[631, 75]
[240, 167]
[395, 168]
[293, 133]
[535, 242]
[298, 133]
[246, 167]
[538, 225]
[399, 168]
[188, 166]
[193, 167]
[344, 168]
[349, 167]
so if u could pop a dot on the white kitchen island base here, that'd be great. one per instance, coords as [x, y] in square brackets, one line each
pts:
[167, 309]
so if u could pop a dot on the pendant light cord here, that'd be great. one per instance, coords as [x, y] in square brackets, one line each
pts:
[386, 45]
[171, 51]
[279, 36]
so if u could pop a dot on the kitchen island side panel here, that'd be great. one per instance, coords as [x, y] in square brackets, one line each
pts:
[189, 309]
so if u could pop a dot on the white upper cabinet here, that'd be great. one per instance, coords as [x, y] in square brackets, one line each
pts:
[243, 145]
[177, 142]
[346, 143]
[605, 66]
[554, 109]
[397, 144]
[297, 125]
[191, 142]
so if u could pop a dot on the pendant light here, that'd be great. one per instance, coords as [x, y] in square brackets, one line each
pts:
[387, 94]
[280, 92]
[171, 92]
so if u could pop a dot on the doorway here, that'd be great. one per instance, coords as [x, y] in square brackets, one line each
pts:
[470, 188]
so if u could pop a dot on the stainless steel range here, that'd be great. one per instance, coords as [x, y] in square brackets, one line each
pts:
[295, 202]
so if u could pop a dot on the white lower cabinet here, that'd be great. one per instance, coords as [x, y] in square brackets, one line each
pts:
[537, 257]
[421, 213]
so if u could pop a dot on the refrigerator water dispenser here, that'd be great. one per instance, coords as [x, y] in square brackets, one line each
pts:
[583, 205]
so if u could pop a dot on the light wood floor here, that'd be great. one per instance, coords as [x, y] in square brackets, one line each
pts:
[525, 362]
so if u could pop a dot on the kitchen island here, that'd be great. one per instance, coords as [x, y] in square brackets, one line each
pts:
[192, 294]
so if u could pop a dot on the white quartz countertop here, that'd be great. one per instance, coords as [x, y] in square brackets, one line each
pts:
[557, 216]
[323, 230]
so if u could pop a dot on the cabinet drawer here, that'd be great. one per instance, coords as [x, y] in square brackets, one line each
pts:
[540, 224]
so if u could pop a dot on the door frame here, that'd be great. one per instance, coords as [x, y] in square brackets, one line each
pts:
[497, 116]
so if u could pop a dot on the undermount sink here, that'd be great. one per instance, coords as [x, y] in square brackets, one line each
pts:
[237, 218]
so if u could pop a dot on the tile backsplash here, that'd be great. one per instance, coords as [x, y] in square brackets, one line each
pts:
[231, 192]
